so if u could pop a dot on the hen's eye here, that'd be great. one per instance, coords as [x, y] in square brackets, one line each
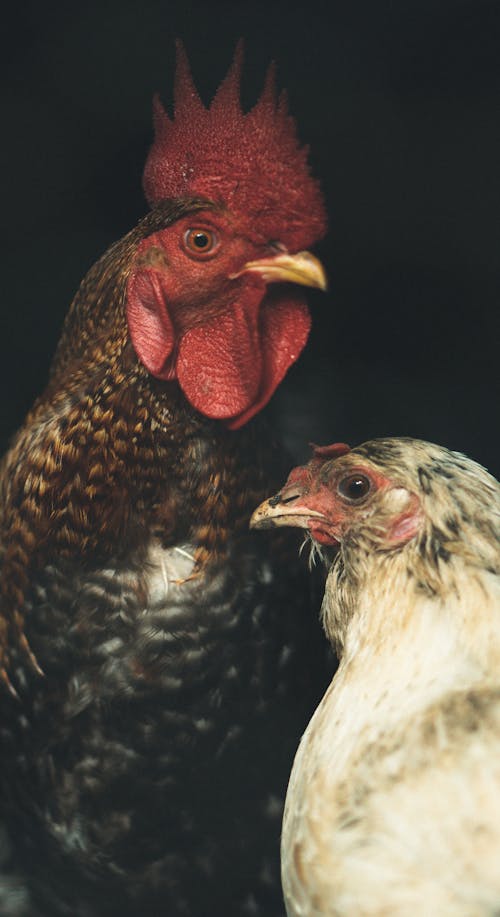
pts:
[354, 487]
[201, 241]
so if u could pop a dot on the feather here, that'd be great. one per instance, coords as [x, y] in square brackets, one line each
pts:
[392, 806]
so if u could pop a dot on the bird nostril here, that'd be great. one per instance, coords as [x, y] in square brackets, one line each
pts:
[285, 496]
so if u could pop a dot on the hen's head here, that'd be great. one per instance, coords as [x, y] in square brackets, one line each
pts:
[388, 494]
[211, 298]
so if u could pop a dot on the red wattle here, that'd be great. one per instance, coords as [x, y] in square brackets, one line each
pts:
[219, 362]
[229, 365]
[284, 329]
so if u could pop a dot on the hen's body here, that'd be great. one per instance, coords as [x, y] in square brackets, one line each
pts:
[393, 803]
[144, 772]
[393, 806]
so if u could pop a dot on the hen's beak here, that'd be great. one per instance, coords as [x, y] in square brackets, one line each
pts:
[302, 268]
[283, 509]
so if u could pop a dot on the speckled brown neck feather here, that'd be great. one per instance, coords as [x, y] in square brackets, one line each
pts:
[109, 454]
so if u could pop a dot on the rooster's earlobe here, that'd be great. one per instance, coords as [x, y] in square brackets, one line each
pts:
[149, 324]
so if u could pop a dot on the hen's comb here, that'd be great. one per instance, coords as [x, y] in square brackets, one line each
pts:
[250, 162]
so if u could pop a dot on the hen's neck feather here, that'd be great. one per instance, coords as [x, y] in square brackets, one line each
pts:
[403, 647]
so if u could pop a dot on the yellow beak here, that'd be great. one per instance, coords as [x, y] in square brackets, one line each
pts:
[302, 268]
[284, 509]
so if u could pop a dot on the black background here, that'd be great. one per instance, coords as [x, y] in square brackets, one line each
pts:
[400, 103]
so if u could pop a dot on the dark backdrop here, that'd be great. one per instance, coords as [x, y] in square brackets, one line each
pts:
[400, 104]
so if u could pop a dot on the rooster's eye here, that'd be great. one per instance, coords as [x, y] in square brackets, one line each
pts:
[201, 241]
[354, 487]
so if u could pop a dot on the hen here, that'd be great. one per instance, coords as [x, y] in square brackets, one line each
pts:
[157, 669]
[393, 803]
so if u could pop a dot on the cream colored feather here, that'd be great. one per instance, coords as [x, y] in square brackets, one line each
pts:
[393, 806]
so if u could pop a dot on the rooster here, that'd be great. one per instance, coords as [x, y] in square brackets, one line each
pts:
[393, 802]
[157, 669]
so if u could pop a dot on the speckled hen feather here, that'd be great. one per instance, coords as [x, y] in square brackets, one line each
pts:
[393, 803]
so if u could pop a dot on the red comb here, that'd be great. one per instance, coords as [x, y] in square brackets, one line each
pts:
[334, 450]
[252, 163]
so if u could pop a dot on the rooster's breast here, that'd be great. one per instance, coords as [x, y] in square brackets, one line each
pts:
[151, 741]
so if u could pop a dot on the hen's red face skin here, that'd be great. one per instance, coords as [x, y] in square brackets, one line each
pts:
[205, 306]
[334, 493]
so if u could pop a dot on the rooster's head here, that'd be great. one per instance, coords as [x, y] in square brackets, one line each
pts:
[212, 298]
